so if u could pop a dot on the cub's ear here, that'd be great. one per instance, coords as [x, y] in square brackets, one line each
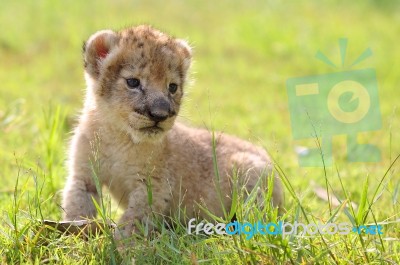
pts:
[96, 49]
[186, 53]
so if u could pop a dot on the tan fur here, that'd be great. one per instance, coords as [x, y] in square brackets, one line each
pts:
[177, 161]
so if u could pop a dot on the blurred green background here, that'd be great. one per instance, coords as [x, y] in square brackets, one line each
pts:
[244, 51]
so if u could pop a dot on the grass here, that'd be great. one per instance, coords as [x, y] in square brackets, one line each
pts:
[244, 53]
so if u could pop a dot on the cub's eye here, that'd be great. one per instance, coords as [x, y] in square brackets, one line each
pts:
[172, 88]
[133, 82]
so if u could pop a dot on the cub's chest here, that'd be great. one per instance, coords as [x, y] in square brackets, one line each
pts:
[127, 161]
[117, 162]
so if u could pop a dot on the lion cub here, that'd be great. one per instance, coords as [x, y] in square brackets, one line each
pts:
[128, 136]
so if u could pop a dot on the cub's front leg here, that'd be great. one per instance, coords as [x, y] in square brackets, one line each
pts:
[140, 208]
[80, 189]
[78, 199]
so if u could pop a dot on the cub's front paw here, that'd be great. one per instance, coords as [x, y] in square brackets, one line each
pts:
[123, 236]
[123, 232]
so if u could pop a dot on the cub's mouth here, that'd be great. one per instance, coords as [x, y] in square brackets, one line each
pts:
[152, 129]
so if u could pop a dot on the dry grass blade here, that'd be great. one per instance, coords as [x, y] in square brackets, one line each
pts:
[321, 193]
[80, 227]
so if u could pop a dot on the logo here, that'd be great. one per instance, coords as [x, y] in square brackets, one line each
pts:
[342, 102]
[280, 228]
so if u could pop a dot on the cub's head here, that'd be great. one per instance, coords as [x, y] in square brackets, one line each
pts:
[135, 79]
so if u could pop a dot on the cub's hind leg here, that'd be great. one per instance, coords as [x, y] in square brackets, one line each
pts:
[254, 172]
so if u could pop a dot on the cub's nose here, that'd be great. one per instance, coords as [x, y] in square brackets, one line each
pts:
[159, 110]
